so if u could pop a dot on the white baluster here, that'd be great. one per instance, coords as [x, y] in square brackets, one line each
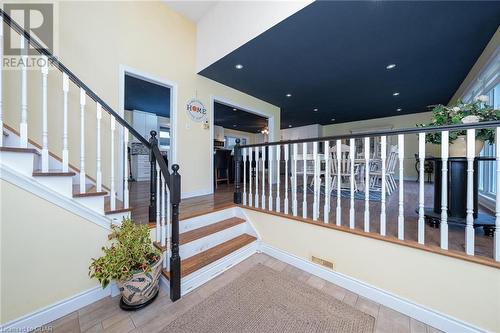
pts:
[383, 153]
[1, 89]
[250, 161]
[352, 152]
[163, 233]
[158, 204]
[469, 219]
[294, 179]
[444, 189]
[98, 149]
[45, 128]
[125, 169]
[257, 164]
[244, 157]
[338, 217]
[401, 216]
[326, 209]
[23, 127]
[278, 178]
[168, 229]
[65, 153]
[270, 176]
[367, 186]
[83, 178]
[112, 157]
[286, 178]
[496, 244]
[421, 197]
[304, 180]
[263, 193]
[316, 182]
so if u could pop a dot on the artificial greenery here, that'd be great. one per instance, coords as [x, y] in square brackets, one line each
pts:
[461, 112]
[131, 251]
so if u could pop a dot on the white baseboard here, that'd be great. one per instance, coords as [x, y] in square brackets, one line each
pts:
[43, 316]
[185, 195]
[422, 313]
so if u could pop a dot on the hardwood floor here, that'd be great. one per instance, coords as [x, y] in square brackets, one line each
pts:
[106, 316]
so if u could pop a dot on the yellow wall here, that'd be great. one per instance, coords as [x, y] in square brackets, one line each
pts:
[95, 38]
[464, 290]
[42, 260]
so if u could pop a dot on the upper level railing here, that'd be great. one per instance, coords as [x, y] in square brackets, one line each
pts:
[166, 186]
[359, 182]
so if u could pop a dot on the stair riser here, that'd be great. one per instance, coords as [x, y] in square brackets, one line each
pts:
[204, 220]
[21, 162]
[192, 248]
[95, 203]
[62, 185]
[117, 218]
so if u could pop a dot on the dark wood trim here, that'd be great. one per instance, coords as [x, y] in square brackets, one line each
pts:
[53, 173]
[19, 150]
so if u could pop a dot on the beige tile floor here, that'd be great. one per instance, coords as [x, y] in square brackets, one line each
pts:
[106, 316]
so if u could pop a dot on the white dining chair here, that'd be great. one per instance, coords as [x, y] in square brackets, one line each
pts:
[345, 169]
[390, 168]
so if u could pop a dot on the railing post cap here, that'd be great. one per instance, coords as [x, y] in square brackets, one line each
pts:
[175, 167]
[153, 133]
[238, 141]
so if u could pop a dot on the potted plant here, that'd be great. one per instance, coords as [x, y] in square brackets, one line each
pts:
[463, 113]
[132, 262]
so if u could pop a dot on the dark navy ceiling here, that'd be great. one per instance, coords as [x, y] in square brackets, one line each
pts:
[227, 117]
[332, 55]
[146, 96]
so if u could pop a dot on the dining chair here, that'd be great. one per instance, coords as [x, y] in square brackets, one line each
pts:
[390, 169]
[345, 168]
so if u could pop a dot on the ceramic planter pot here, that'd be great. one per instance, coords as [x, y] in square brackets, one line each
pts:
[459, 147]
[141, 289]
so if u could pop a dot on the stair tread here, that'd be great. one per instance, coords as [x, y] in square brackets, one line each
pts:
[19, 150]
[118, 209]
[53, 173]
[200, 260]
[198, 233]
[90, 191]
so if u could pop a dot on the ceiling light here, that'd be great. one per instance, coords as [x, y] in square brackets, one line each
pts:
[234, 125]
[315, 109]
[288, 95]
[289, 125]
[390, 66]
[333, 119]
[238, 66]
[399, 109]
[234, 109]
[395, 93]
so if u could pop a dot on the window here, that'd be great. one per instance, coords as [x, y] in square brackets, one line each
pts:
[164, 138]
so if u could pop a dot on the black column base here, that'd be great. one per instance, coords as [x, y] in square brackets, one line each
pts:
[175, 278]
[238, 197]
[127, 307]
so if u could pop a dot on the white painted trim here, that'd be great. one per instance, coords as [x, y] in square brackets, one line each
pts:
[422, 313]
[32, 186]
[43, 316]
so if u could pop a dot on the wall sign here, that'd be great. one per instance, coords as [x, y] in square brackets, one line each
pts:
[196, 110]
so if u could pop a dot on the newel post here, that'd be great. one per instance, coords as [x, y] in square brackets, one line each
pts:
[153, 141]
[175, 259]
[237, 173]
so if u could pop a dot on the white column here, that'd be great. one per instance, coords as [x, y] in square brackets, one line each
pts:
[23, 127]
[250, 161]
[351, 170]
[286, 152]
[158, 204]
[444, 189]
[65, 154]
[316, 182]
[1, 89]
[496, 243]
[45, 128]
[338, 220]
[304, 180]
[126, 203]
[401, 215]
[294, 179]
[421, 197]
[270, 176]
[82, 141]
[469, 219]
[326, 209]
[98, 149]
[263, 193]
[257, 164]
[244, 158]
[383, 153]
[278, 178]
[367, 186]
[112, 195]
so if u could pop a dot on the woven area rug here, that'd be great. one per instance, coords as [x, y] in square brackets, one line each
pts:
[263, 300]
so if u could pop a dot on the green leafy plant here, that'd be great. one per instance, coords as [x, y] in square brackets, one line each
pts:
[459, 113]
[130, 252]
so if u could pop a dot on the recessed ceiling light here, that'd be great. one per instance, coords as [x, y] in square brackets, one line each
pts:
[234, 125]
[390, 66]
[288, 95]
[238, 66]
[395, 93]
[333, 119]
[315, 109]
[399, 109]
[234, 109]
[289, 125]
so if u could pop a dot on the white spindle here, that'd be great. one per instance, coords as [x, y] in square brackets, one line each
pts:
[263, 193]
[351, 158]
[244, 157]
[112, 158]
[326, 209]
[286, 178]
[496, 244]
[270, 176]
[444, 189]
[401, 215]
[1, 89]
[158, 205]
[82, 141]
[421, 198]
[338, 217]
[367, 186]
[469, 228]
[45, 128]
[257, 164]
[23, 127]
[294, 179]
[163, 233]
[65, 154]
[383, 153]
[316, 182]
[278, 178]
[98, 149]
[304, 180]
[168, 228]
[250, 174]
[125, 169]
